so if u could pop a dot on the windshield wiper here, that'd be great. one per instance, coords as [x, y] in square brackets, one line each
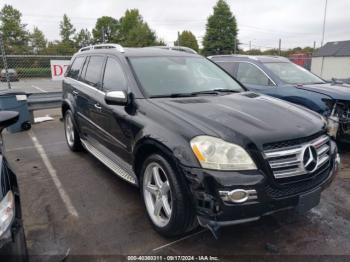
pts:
[226, 90]
[207, 92]
[174, 95]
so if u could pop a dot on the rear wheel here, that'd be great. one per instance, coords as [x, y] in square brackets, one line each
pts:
[72, 135]
[165, 197]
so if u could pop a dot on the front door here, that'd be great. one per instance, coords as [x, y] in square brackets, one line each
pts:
[114, 119]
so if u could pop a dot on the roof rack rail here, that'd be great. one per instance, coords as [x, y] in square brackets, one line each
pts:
[102, 46]
[175, 48]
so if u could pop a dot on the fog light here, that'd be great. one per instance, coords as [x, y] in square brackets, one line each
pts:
[238, 195]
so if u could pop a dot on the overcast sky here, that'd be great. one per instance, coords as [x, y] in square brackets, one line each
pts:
[263, 22]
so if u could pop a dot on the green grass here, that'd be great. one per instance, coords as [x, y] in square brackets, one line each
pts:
[34, 72]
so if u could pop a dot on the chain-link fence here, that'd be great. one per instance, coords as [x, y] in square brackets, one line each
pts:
[302, 59]
[32, 73]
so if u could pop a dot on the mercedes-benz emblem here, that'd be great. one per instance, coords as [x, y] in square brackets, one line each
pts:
[310, 159]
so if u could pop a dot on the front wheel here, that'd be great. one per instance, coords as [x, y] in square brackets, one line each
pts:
[165, 197]
[72, 135]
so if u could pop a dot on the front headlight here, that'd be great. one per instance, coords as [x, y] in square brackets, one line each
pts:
[7, 212]
[215, 153]
[333, 126]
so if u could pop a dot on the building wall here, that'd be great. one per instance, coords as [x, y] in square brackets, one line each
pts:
[337, 67]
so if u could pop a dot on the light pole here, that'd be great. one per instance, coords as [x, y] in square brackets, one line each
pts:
[324, 22]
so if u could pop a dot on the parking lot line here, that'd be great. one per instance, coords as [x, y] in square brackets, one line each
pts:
[38, 88]
[31, 147]
[64, 196]
[179, 240]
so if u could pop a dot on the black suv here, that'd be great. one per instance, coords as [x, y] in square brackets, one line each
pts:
[197, 144]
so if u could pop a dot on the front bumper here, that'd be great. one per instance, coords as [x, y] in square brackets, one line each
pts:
[205, 186]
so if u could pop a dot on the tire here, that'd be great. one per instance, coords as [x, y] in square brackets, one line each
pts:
[71, 133]
[26, 126]
[181, 218]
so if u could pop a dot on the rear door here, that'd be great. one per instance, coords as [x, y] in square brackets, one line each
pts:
[90, 82]
[113, 119]
[71, 85]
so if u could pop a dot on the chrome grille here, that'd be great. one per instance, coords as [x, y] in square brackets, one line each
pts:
[289, 161]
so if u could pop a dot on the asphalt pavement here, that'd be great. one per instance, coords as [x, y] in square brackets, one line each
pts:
[34, 85]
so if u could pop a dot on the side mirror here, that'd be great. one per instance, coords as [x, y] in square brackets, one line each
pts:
[8, 118]
[116, 98]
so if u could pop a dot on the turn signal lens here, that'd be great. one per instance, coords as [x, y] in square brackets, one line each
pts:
[7, 212]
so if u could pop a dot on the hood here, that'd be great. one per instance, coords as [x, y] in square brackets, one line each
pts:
[244, 117]
[335, 91]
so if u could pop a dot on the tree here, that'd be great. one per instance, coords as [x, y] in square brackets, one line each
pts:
[15, 35]
[105, 30]
[186, 38]
[59, 48]
[221, 31]
[82, 38]
[254, 51]
[133, 31]
[67, 31]
[37, 41]
[139, 36]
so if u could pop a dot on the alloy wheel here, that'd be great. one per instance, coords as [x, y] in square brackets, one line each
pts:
[157, 194]
[69, 129]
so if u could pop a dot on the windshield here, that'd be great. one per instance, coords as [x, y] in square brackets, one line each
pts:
[293, 74]
[163, 76]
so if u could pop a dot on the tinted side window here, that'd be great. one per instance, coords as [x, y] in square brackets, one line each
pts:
[114, 78]
[93, 71]
[76, 67]
[227, 66]
[250, 74]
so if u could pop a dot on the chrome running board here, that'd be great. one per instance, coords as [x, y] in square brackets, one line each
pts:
[119, 171]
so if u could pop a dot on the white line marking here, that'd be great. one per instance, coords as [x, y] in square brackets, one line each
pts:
[65, 198]
[31, 147]
[40, 89]
[181, 239]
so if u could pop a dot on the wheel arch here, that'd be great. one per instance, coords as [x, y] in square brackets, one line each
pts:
[66, 105]
[148, 146]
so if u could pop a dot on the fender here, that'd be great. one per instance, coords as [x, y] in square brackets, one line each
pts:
[316, 104]
[67, 104]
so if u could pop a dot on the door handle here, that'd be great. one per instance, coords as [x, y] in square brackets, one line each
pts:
[98, 106]
[75, 93]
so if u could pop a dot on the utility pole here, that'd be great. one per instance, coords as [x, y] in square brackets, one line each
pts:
[178, 39]
[324, 22]
[279, 46]
[2, 47]
[314, 45]
[235, 46]
[250, 46]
